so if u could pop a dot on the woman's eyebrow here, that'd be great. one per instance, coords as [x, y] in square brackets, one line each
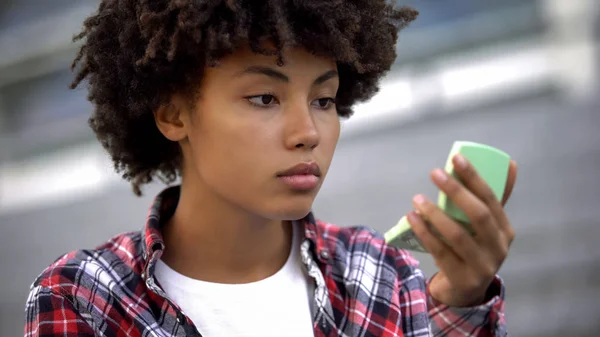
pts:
[266, 71]
[280, 76]
[326, 77]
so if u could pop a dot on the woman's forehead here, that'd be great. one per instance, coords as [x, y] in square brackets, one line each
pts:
[293, 58]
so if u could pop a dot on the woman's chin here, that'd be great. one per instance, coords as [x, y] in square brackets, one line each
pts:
[290, 212]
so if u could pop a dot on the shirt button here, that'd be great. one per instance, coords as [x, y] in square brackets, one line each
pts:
[144, 275]
[325, 255]
[180, 319]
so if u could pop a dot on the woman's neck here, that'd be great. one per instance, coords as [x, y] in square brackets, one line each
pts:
[212, 240]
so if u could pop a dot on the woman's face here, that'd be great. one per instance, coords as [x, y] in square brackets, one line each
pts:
[262, 137]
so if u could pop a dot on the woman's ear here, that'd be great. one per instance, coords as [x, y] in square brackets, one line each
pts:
[171, 119]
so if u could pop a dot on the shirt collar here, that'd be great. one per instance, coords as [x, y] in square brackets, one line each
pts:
[163, 207]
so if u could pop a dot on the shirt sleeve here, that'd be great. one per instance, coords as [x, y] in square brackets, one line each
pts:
[48, 314]
[423, 316]
[479, 321]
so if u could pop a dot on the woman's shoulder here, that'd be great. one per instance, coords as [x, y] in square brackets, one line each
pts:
[100, 265]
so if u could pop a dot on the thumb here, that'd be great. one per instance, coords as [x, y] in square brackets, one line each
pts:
[510, 181]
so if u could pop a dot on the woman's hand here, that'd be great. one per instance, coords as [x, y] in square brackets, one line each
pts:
[468, 264]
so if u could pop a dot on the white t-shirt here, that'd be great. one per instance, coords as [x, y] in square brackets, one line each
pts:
[279, 305]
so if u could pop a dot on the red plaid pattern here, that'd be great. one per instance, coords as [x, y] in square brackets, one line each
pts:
[363, 288]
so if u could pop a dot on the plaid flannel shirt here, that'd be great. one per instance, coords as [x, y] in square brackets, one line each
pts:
[363, 287]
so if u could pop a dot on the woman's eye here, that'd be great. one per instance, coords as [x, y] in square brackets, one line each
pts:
[262, 100]
[324, 103]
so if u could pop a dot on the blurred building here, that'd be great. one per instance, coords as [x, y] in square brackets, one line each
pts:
[518, 74]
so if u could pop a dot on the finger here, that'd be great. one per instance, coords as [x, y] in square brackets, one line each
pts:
[510, 181]
[477, 211]
[454, 239]
[455, 235]
[479, 187]
[445, 258]
[493, 213]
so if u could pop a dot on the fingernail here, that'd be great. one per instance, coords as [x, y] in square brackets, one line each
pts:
[460, 161]
[412, 217]
[419, 199]
[440, 175]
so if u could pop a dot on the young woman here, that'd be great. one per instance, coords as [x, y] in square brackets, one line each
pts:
[243, 100]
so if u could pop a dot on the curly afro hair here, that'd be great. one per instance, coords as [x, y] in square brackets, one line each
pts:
[137, 53]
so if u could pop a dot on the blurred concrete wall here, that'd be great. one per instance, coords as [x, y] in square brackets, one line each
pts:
[552, 274]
